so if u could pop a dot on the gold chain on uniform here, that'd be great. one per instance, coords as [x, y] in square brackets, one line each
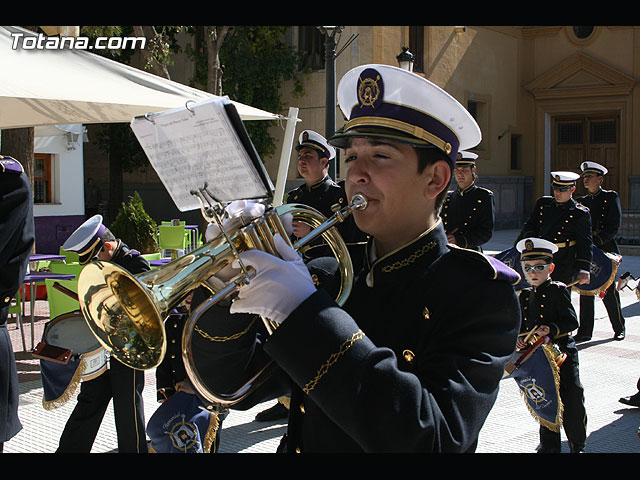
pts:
[333, 359]
[410, 259]
[223, 339]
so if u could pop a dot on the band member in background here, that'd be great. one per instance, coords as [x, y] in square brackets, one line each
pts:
[606, 216]
[17, 234]
[402, 366]
[468, 211]
[546, 308]
[93, 241]
[322, 193]
[563, 221]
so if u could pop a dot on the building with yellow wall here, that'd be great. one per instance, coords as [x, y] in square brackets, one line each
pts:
[546, 98]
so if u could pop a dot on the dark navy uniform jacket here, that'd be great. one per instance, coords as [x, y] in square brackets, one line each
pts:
[171, 370]
[549, 304]
[17, 234]
[129, 259]
[568, 225]
[606, 217]
[469, 215]
[405, 366]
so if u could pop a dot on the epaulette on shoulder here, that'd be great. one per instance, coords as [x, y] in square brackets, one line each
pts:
[580, 206]
[10, 165]
[493, 267]
[557, 284]
[485, 190]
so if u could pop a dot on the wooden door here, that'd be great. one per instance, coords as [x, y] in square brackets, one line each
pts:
[579, 138]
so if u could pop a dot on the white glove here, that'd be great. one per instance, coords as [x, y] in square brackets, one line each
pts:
[243, 211]
[238, 208]
[279, 286]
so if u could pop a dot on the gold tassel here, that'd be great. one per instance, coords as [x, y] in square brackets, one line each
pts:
[554, 426]
[212, 431]
[69, 391]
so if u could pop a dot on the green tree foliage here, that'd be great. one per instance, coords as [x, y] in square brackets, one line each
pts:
[135, 227]
[255, 64]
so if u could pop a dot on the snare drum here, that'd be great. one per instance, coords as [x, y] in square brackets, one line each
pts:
[71, 331]
[96, 364]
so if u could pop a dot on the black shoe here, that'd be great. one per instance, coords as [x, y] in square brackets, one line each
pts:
[632, 401]
[619, 336]
[579, 338]
[277, 412]
[576, 448]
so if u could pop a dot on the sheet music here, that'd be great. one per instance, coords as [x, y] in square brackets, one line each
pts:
[194, 145]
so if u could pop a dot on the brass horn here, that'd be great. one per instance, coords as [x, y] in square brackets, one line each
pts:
[126, 312]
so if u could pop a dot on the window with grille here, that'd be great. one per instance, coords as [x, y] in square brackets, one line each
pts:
[311, 48]
[603, 131]
[42, 178]
[570, 133]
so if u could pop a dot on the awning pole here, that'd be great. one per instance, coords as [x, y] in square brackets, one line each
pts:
[287, 147]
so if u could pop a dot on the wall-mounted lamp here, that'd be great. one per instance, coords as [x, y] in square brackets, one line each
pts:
[405, 59]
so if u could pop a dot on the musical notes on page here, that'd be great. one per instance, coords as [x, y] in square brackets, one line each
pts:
[197, 145]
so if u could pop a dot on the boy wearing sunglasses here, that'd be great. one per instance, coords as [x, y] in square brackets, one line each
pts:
[547, 310]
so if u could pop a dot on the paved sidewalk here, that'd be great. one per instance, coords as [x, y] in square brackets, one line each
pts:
[609, 370]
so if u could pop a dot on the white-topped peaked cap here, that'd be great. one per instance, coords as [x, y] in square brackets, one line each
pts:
[564, 179]
[593, 167]
[389, 102]
[311, 139]
[466, 158]
[86, 239]
[532, 248]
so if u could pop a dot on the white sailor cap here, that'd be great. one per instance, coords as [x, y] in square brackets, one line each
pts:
[311, 139]
[593, 167]
[86, 240]
[381, 101]
[563, 179]
[466, 159]
[535, 248]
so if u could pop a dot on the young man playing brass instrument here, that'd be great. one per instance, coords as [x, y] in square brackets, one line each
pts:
[404, 365]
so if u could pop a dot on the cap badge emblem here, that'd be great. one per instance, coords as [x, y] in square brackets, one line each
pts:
[369, 88]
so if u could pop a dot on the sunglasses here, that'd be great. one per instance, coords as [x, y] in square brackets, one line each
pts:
[535, 268]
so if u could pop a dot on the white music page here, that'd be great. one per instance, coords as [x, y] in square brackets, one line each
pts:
[197, 145]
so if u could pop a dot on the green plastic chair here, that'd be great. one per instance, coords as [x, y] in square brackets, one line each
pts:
[61, 303]
[72, 257]
[171, 238]
[152, 256]
[66, 268]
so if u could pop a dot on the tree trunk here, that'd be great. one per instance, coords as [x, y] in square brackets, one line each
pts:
[115, 183]
[152, 36]
[18, 143]
[214, 39]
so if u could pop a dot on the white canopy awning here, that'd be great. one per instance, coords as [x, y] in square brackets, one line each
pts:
[70, 86]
